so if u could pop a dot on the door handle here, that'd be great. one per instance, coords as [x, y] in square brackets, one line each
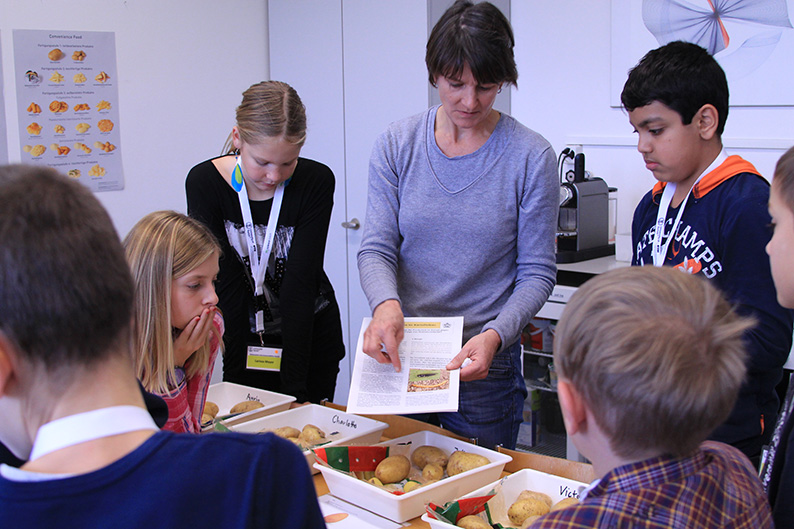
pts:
[352, 224]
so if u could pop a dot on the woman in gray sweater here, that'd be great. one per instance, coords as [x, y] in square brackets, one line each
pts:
[461, 218]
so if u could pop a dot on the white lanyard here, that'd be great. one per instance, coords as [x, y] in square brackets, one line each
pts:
[659, 250]
[88, 426]
[258, 262]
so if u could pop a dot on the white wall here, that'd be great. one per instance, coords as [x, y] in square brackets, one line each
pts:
[184, 63]
[182, 66]
[563, 50]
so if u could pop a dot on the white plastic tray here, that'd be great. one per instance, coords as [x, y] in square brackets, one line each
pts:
[340, 428]
[412, 504]
[511, 486]
[227, 394]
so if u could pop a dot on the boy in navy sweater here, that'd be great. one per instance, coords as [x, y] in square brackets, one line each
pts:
[70, 405]
[707, 216]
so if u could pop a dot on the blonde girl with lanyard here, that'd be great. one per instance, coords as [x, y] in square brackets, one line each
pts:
[178, 328]
[270, 210]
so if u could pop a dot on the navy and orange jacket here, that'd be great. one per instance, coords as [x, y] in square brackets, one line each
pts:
[721, 236]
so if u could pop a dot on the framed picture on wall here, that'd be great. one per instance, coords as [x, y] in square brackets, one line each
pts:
[753, 40]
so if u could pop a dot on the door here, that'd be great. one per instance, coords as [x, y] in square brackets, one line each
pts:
[358, 65]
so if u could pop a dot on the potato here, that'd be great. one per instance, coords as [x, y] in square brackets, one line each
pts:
[287, 431]
[473, 522]
[211, 409]
[298, 442]
[393, 469]
[522, 509]
[206, 418]
[529, 521]
[246, 405]
[545, 498]
[462, 461]
[425, 455]
[411, 486]
[312, 435]
[432, 472]
[375, 481]
[563, 503]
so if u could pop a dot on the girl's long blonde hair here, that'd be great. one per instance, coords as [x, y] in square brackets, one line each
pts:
[270, 109]
[161, 247]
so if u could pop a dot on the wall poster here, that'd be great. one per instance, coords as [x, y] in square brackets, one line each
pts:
[68, 104]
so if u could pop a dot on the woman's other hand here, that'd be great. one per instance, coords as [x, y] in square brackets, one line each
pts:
[480, 350]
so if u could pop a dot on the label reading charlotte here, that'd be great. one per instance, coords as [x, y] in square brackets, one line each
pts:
[350, 423]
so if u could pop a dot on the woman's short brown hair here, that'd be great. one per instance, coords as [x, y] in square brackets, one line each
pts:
[477, 35]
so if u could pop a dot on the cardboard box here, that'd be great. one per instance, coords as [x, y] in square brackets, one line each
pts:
[623, 250]
[508, 489]
[340, 428]
[227, 394]
[412, 504]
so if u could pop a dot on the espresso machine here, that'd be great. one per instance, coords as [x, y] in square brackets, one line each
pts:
[583, 224]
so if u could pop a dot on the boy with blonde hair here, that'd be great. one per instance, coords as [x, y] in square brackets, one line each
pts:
[650, 360]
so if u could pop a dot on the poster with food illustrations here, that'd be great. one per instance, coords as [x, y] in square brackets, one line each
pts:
[68, 104]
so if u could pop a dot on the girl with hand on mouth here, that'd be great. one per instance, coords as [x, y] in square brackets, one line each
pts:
[178, 328]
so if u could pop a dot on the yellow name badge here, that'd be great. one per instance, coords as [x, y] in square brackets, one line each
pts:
[263, 358]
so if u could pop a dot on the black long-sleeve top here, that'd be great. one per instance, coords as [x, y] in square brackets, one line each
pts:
[296, 283]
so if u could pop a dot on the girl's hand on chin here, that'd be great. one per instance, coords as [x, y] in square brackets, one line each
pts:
[193, 336]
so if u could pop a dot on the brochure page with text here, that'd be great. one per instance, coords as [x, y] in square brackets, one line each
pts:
[423, 385]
